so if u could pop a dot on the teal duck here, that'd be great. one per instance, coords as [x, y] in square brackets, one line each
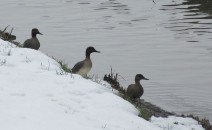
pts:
[136, 90]
[83, 67]
[33, 42]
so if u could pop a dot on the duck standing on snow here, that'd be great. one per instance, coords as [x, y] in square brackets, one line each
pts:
[136, 90]
[83, 67]
[33, 42]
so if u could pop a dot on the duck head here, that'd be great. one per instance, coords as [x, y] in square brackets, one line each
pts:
[35, 31]
[139, 77]
[90, 50]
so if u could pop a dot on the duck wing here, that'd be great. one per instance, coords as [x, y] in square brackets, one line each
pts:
[27, 43]
[77, 67]
[131, 89]
[134, 91]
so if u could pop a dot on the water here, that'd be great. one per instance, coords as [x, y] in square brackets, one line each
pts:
[168, 42]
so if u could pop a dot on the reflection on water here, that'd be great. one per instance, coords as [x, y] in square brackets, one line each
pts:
[203, 6]
[195, 19]
[191, 21]
[197, 6]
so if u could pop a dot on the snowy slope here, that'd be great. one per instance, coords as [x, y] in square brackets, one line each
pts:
[35, 94]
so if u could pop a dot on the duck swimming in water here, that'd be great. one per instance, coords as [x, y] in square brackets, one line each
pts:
[33, 42]
[83, 67]
[136, 90]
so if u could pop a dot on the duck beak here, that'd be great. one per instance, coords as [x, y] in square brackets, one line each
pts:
[145, 78]
[40, 33]
[97, 51]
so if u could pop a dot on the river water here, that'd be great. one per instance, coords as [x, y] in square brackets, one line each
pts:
[168, 41]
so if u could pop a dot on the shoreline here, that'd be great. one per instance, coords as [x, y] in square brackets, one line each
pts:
[145, 108]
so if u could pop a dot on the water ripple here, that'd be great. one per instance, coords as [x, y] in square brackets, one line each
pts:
[113, 5]
[195, 20]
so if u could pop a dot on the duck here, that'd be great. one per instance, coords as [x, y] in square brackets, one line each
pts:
[33, 42]
[136, 90]
[83, 67]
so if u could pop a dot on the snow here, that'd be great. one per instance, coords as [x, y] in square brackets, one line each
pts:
[176, 123]
[36, 94]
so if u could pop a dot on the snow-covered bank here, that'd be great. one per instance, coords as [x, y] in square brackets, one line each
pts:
[36, 95]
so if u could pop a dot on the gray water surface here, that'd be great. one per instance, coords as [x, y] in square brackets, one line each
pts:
[168, 41]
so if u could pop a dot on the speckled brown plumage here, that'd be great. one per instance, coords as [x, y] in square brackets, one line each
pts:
[136, 90]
